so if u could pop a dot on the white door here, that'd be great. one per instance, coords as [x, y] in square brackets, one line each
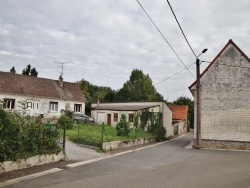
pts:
[100, 117]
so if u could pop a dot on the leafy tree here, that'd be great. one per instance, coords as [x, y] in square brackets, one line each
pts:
[139, 87]
[33, 72]
[93, 93]
[26, 71]
[187, 101]
[29, 71]
[13, 70]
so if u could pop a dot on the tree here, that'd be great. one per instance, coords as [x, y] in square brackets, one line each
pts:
[93, 93]
[33, 72]
[139, 87]
[13, 70]
[187, 101]
[29, 71]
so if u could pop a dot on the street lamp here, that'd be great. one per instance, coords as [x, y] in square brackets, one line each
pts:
[198, 102]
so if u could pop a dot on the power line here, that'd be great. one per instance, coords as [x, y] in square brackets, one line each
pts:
[181, 28]
[228, 65]
[175, 90]
[173, 75]
[164, 37]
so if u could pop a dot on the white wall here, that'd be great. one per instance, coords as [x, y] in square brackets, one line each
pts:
[43, 105]
[159, 107]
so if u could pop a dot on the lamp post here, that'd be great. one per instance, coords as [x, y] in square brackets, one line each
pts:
[198, 102]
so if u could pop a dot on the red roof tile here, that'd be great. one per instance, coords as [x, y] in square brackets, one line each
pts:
[179, 112]
[39, 87]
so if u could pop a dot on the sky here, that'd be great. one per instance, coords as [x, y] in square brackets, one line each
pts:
[103, 41]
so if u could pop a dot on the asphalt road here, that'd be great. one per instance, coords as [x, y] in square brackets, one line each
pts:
[165, 165]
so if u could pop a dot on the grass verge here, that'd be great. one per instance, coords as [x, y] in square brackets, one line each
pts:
[90, 134]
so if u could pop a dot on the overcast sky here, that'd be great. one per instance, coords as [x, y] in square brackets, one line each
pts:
[106, 39]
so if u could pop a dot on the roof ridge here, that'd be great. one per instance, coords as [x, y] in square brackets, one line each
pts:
[35, 77]
[218, 55]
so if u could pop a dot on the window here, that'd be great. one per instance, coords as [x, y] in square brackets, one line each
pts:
[77, 108]
[53, 106]
[115, 117]
[131, 117]
[9, 104]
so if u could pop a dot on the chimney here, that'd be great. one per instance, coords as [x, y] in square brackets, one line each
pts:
[61, 81]
[98, 102]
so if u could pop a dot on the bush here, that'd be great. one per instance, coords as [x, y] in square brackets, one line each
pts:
[65, 121]
[122, 127]
[158, 130]
[24, 137]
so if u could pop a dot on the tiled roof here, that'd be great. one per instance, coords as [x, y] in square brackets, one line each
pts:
[229, 42]
[39, 87]
[123, 107]
[179, 112]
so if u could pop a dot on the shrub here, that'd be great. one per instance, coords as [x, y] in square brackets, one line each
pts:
[122, 127]
[24, 137]
[65, 121]
[158, 130]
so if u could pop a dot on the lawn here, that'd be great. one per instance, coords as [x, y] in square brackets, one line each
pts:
[90, 134]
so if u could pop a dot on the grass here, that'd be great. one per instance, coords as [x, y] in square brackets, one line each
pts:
[90, 134]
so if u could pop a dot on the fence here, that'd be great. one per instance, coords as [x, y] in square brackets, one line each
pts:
[95, 135]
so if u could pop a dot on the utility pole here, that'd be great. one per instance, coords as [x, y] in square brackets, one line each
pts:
[198, 102]
[61, 65]
[198, 105]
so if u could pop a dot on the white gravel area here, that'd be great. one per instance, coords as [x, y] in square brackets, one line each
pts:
[75, 152]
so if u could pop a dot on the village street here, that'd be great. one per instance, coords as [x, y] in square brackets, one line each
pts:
[165, 165]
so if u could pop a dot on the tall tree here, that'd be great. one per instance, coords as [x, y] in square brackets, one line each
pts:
[93, 93]
[13, 70]
[26, 71]
[139, 87]
[187, 101]
[33, 72]
[29, 71]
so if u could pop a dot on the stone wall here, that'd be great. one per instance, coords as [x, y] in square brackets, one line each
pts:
[225, 98]
[32, 161]
[109, 146]
[219, 144]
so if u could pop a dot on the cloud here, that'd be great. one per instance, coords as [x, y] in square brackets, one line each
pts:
[106, 40]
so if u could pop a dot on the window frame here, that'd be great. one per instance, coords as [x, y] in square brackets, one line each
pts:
[130, 118]
[53, 106]
[115, 119]
[9, 104]
[78, 107]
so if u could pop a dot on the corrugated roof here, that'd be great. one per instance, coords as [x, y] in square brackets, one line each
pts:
[179, 112]
[39, 87]
[123, 107]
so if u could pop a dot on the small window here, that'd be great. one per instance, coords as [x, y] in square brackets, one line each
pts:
[53, 106]
[115, 117]
[9, 104]
[131, 118]
[77, 108]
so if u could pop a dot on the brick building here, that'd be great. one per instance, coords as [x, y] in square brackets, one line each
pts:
[225, 100]
[179, 119]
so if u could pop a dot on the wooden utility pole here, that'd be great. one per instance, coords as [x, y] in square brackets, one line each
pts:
[198, 105]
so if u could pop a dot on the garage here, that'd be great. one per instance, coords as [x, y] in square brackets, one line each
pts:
[100, 117]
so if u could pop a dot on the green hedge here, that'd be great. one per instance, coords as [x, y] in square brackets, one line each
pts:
[23, 137]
